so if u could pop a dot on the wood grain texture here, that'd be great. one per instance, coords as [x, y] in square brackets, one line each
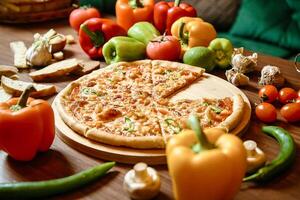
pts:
[62, 160]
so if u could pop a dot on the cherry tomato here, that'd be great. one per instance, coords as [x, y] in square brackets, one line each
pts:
[287, 95]
[80, 15]
[164, 48]
[299, 94]
[266, 112]
[291, 112]
[268, 93]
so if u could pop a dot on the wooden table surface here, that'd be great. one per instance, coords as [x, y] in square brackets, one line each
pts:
[62, 160]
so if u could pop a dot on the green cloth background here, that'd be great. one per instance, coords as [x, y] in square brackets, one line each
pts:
[267, 26]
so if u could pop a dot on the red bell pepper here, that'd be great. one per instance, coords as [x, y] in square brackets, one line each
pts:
[166, 13]
[26, 126]
[93, 34]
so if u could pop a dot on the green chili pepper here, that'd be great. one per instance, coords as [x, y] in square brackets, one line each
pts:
[284, 159]
[143, 32]
[123, 49]
[223, 50]
[40, 189]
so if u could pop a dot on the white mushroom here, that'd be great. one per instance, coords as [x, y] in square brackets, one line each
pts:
[255, 156]
[142, 182]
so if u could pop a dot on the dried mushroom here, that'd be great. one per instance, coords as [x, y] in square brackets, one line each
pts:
[237, 78]
[271, 75]
[243, 64]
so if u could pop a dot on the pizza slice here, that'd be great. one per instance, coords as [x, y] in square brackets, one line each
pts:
[139, 128]
[225, 113]
[169, 77]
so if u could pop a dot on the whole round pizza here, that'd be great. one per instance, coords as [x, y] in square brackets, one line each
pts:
[128, 104]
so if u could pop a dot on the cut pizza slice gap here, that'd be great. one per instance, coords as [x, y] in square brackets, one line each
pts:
[169, 77]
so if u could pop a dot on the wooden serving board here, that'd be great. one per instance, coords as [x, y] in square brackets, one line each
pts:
[207, 86]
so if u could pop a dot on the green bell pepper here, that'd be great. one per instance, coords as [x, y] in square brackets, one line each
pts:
[107, 6]
[223, 50]
[123, 49]
[143, 32]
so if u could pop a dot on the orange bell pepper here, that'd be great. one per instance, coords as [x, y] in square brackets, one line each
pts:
[205, 168]
[128, 12]
[193, 32]
[26, 126]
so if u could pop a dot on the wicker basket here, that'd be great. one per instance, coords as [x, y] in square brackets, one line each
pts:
[26, 11]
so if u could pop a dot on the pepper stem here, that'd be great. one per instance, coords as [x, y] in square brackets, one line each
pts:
[203, 144]
[177, 2]
[25, 95]
[182, 36]
[96, 37]
[23, 99]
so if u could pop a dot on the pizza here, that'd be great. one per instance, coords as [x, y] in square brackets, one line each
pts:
[128, 104]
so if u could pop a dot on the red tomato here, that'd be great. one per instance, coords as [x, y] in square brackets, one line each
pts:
[80, 15]
[164, 48]
[287, 95]
[291, 112]
[266, 112]
[268, 93]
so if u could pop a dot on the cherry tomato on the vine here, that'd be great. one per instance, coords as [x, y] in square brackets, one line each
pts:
[268, 93]
[287, 95]
[266, 112]
[291, 112]
[80, 15]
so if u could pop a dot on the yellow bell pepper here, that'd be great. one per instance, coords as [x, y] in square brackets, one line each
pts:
[201, 170]
[192, 32]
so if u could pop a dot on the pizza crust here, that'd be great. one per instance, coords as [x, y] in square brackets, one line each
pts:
[68, 119]
[232, 120]
[144, 142]
[165, 63]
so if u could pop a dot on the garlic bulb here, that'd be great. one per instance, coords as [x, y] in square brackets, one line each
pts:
[271, 75]
[243, 64]
[237, 78]
[39, 54]
[142, 182]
